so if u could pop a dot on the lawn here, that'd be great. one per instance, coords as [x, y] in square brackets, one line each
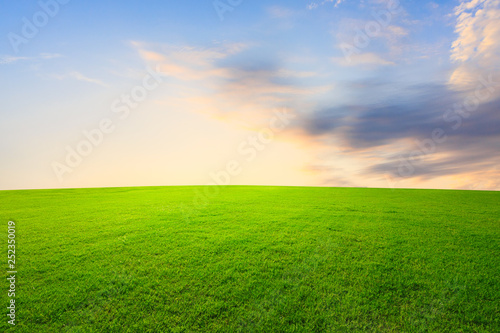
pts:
[253, 259]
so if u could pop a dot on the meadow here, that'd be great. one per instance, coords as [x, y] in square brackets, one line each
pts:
[253, 259]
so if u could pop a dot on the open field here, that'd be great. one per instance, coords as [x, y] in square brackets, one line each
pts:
[255, 259]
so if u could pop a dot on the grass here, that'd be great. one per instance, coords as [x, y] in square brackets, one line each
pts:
[254, 259]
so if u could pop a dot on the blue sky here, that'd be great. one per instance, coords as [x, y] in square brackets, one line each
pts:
[378, 93]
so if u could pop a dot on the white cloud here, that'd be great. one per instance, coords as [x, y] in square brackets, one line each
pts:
[314, 5]
[77, 76]
[7, 59]
[80, 77]
[353, 32]
[476, 51]
[370, 59]
[50, 55]
[280, 12]
[433, 5]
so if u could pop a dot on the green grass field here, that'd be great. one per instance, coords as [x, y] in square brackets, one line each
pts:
[254, 259]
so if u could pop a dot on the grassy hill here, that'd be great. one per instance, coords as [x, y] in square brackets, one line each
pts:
[254, 259]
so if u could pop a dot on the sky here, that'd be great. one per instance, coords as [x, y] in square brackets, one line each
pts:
[358, 93]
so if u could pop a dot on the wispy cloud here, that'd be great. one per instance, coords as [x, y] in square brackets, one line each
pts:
[390, 41]
[8, 59]
[4, 60]
[229, 83]
[363, 59]
[50, 55]
[187, 62]
[78, 76]
[280, 12]
[314, 5]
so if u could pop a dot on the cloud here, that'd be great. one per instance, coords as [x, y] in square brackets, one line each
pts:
[7, 59]
[189, 63]
[388, 41]
[78, 76]
[369, 59]
[433, 5]
[50, 55]
[314, 5]
[382, 134]
[280, 12]
[232, 81]
[476, 50]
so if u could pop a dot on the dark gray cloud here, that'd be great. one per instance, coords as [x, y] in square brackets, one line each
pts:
[472, 138]
[476, 157]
